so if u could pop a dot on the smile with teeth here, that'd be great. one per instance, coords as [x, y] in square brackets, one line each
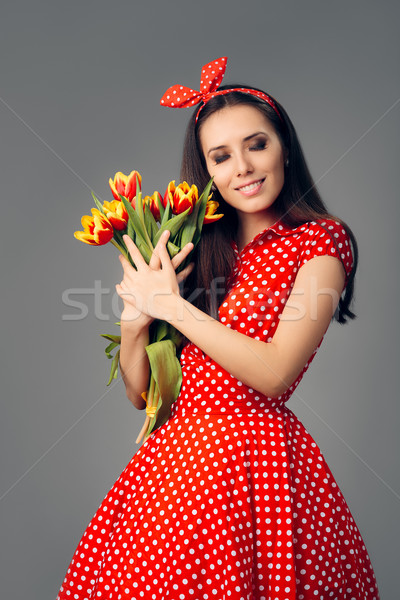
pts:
[251, 186]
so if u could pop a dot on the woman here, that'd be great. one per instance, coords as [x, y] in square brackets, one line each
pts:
[232, 498]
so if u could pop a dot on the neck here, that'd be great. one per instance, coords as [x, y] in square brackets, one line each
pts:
[252, 224]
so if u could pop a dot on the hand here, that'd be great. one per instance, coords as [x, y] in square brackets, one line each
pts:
[138, 285]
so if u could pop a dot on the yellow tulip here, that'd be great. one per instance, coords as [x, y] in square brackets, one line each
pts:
[181, 197]
[152, 203]
[117, 214]
[210, 215]
[125, 185]
[97, 229]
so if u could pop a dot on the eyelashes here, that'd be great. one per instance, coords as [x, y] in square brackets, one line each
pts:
[219, 159]
[261, 145]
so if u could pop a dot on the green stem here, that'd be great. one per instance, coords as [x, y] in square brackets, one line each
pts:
[151, 391]
[141, 216]
[149, 403]
[120, 249]
[155, 398]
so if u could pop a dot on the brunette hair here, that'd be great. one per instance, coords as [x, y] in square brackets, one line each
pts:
[297, 203]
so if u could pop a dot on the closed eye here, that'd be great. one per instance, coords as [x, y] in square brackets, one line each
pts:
[220, 159]
[259, 146]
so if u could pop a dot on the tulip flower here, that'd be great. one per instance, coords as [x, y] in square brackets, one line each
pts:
[152, 202]
[117, 214]
[210, 215]
[125, 185]
[97, 229]
[181, 197]
[182, 212]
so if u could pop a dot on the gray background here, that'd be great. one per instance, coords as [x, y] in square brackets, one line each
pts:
[80, 89]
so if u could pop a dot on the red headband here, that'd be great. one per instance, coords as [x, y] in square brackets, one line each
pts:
[179, 96]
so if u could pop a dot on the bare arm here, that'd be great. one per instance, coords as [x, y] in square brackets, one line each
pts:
[134, 364]
[268, 367]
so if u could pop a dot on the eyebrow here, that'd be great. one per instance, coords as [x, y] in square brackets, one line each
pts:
[246, 139]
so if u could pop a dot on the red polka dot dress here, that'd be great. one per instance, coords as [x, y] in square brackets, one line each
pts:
[231, 498]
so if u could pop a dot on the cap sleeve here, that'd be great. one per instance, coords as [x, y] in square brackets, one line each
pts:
[328, 237]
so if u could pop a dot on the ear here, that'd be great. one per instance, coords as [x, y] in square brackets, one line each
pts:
[285, 154]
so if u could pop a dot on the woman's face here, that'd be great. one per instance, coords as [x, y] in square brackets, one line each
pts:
[245, 156]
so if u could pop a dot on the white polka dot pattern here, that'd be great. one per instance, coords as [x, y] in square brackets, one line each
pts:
[179, 96]
[231, 498]
[211, 77]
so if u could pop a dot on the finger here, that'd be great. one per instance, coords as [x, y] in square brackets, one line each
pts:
[134, 252]
[124, 286]
[119, 290]
[126, 265]
[125, 294]
[155, 260]
[128, 291]
[184, 273]
[163, 252]
[182, 254]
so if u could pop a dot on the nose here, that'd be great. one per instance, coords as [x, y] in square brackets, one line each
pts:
[243, 164]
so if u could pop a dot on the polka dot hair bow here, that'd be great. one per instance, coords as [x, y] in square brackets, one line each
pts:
[180, 96]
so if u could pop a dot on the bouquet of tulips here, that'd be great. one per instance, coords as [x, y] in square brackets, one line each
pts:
[180, 211]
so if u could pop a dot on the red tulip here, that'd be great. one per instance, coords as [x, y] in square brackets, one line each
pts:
[210, 215]
[97, 229]
[181, 197]
[152, 202]
[117, 214]
[125, 185]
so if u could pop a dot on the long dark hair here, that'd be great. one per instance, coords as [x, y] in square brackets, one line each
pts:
[297, 203]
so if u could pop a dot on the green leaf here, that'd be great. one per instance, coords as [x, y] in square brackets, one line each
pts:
[136, 223]
[161, 331]
[130, 231]
[160, 207]
[150, 222]
[111, 338]
[114, 368]
[173, 225]
[190, 226]
[172, 249]
[139, 210]
[144, 250]
[202, 211]
[110, 348]
[166, 215]
[98, 203]
[167, 373]
[118, 237]
[139, 202]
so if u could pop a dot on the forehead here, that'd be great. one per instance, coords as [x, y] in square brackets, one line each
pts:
[232, 124]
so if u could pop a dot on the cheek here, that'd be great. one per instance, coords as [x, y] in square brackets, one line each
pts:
[220, 174]
[277, 168]
[211, 169]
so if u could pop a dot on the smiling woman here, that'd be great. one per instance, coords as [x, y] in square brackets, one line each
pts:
[248, 166]
[232, 498]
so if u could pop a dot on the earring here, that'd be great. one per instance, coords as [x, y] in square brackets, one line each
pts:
[213, 188]
[287, 162]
